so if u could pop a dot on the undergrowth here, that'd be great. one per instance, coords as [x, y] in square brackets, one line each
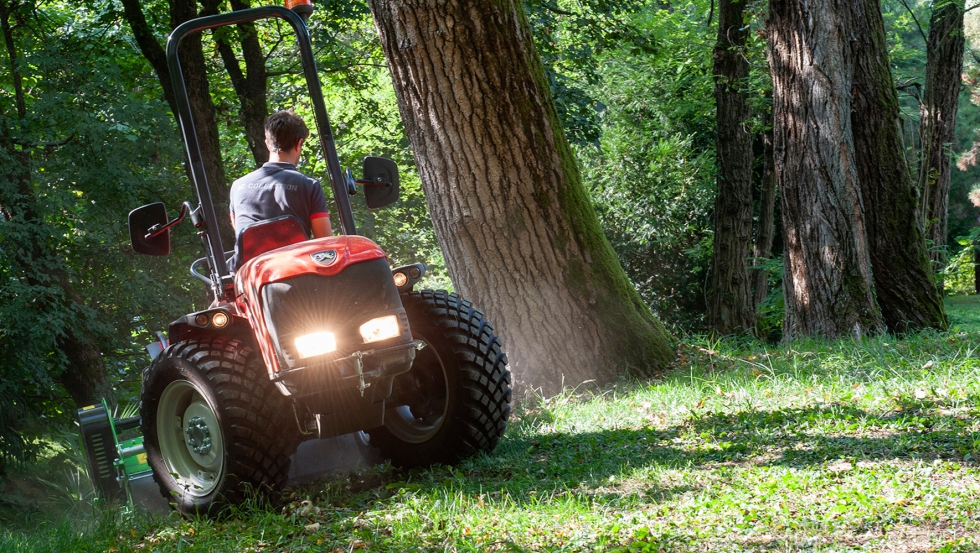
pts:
[811, 446]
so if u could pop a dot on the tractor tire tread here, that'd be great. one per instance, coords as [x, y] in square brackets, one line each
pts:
[260, 439]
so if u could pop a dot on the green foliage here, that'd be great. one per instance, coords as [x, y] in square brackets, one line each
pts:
[652, 176]
[772, 309]
[959, 274]
[96, 141]
[570, 37]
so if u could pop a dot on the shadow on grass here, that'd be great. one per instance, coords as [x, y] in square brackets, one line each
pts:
[797, 437]
[620, 469]
[801, 437]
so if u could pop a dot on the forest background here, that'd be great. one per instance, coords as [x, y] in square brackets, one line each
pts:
[87, 134]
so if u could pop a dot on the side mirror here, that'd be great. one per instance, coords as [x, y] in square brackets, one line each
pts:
[141, 220]
[381, 182]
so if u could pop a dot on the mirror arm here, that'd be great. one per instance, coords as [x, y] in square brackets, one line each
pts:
[378, 182]
[157, 230]
[195, 214]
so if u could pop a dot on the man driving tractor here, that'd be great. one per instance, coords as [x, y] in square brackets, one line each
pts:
[278, 188]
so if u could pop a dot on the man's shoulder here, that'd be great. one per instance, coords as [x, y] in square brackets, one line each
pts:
[250, 177]
[276, 175]
[295, 175]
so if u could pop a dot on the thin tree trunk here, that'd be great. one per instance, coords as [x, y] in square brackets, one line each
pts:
[766, 230]
[251, 86]
[730, 308]
[829, 289]
[908, 298]
[944, 64]
[976, 270]
[196, 81]
[515, 223]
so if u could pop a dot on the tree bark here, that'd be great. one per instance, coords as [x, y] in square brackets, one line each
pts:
[512, 217]
[730, 308]
[252, 85]
[908, 298]
[976, 270]
[766, 228]
[944, 65]
[828, 283]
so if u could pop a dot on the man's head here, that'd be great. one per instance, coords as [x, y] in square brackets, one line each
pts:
[284, 130]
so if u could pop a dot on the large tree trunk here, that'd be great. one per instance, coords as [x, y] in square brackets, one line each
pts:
[829, 290]
[518, 231]
[730, 307]
[908, 298]
[944, 64]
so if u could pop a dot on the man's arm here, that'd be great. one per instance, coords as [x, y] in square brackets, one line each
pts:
[321, 225]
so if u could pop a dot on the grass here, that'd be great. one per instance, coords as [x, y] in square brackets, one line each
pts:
[812, 446]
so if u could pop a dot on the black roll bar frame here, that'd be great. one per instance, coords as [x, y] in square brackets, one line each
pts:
[220, 275]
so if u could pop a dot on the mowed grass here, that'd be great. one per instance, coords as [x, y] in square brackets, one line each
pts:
[811, 446]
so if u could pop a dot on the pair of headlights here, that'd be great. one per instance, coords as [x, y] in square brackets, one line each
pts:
[375, 330]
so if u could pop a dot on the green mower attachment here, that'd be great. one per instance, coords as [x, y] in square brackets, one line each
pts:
[112, 463]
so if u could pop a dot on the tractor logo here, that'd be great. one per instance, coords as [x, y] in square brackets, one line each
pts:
[325, 258]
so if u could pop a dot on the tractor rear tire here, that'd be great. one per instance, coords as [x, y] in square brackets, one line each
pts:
[215, 428]
[455, 400]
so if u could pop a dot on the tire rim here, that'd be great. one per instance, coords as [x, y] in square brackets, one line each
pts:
[420, 420]
[190, 437]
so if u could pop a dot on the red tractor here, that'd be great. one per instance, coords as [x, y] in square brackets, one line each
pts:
[308, 339]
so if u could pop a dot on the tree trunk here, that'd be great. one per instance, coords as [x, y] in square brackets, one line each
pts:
[944, 64]
[730, 308]
[908, 298]
[515, 223]
[976, 270]
[196, 81]
[252, 85]
[829, 290]
[766, 229]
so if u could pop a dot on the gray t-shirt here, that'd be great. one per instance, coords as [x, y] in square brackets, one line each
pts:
[273, 190]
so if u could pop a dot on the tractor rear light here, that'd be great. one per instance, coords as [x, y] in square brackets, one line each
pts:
[380, 328]
[316, 343]
[401, 279]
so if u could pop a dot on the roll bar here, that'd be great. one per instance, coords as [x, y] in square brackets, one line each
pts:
[215, 249]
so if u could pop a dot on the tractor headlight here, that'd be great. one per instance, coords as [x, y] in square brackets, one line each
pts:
[220, 319]
[316, 343]
[379, 329]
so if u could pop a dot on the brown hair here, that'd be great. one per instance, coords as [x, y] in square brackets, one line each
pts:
[284, 129]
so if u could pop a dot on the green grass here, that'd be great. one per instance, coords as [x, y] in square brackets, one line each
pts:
[812, 446]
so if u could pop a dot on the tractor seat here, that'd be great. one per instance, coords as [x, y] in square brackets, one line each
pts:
[265, 236]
